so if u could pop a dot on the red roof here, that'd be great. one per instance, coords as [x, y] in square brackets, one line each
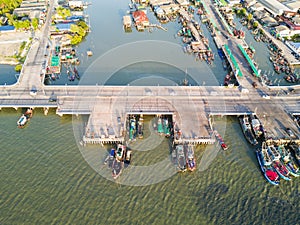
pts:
[140, 17]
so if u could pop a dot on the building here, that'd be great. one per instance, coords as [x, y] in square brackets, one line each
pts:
[274, 7]
[159, 2]
[7, 29]
[127, 21]
[282, 31]
[294, 6]
[183, 2]
[296, 21]
[257, 7]
[294, 46]
[75, 4]
[269, 21]
[140, 19]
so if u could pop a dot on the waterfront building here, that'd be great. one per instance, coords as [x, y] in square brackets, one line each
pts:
[294, 6]
[274, 7]
[75, 4]
[282, 31]
[294, 46]
[183, 2]
[140, 19]
[7, 28]
[269, 21]
[159, 2]
[257, 7]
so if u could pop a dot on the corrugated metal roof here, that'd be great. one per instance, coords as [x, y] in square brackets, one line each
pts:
[6, 28]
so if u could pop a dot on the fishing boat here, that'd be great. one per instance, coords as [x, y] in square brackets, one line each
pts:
[266, 168]
[265, 156]
[132, 128]
[23, 120]
[127, 158]
[296, 150]
[117, 168]
[166, 127]
[89, 53]
[246, 128]
[288, 161]
[220, 140]
[160, 126]
[140, 127]
[281, 170]
[181, 162]
[274, 153]
[256, 126]
[190, 158]
[120, 152]
[110, 158]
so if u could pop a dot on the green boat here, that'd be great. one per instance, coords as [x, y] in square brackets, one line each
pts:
[159, 126]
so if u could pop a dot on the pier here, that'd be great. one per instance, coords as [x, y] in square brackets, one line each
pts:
[191, 107]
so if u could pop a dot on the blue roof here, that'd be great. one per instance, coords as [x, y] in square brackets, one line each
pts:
[63, 26]
[296, 44]
[6, 28]
[75, 18]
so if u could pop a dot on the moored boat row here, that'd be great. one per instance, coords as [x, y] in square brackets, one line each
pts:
[280, 160]
[184, 157]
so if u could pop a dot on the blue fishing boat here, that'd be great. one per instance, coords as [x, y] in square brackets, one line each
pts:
[266, 167]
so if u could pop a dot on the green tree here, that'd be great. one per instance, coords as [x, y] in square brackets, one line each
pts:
[243, 12]
[18, 68]
[35, 23]
[63, 13]
[76, 39]
[255, 24]
[249, 17]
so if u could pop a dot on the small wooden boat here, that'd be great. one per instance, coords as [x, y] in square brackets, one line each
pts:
[89, 53]
[190, 158]
[266, 168]
[246, 128]
[23, 120]
[181, 162]
[120, 152]
[220, 140]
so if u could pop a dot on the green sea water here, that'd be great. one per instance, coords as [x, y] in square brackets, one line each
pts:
[46, 180]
